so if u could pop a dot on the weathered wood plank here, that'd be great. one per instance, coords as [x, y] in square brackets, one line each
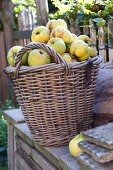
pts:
[42, 161]
[26, 19]
[21, 163]
[32, 153]
[22, 34]
[73, 27]
[22, 143]
[42, 10]
[23, 131]
[110, 39]
[11, 156]
[3, 64]
[86, 28]
[28, 159]
[93, 35]
[101, 45]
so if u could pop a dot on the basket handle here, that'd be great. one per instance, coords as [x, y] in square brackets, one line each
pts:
[58, 59]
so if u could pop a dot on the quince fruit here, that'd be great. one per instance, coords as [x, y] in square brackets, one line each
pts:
[62, 33]
[52, 24]
[73, 37]
[12, 55]
[85, 38]
[57, 44]
[68, 57]
[38, 57]
[79, 48]
[40, 34]
[93, 52]
[73, 145]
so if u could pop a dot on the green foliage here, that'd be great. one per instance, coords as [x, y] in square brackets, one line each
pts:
[67, 9]
[3, 133]
[82, 11]
[99, 21]
[8, 105]
[3, 124]
[20, 5]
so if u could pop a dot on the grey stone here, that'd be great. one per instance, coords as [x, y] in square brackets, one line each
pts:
[88, 163]
[68, 162]
[14, 116]
[102, 135]
[100, 154]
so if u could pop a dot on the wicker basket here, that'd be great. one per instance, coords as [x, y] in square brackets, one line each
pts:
[56, 99]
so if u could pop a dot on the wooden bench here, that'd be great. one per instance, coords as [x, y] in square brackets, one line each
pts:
[13, 117]
[24, 154]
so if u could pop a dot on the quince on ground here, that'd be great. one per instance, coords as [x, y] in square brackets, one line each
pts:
[68, 57]
[38, 57]
[57, 44]
[73, 145]
[52, 24]
[62, 33]
[40, 34]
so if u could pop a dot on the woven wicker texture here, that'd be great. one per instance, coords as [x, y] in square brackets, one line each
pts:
[56, 99]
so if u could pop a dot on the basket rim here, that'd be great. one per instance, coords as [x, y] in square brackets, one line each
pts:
[23, 69]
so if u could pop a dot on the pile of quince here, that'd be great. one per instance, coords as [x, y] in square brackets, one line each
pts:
[56, 35]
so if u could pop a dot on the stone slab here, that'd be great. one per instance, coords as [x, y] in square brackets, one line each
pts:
[98, 153]
[88, 163]
[68, 162]
[102, 135]
[14, 116]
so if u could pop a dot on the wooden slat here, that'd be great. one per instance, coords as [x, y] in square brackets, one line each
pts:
[110, 39]
[73, 27]
[11, 156]
[86, 29]
[92, 32]
[101, 45]
[21, 163]
[22, 34]
[3, 64]
[42, 10]
[26, 20]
